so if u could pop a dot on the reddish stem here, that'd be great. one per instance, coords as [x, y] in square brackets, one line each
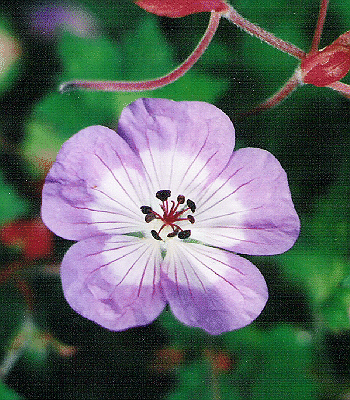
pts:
[233, 16]
[319, 27]
[124, 86]
[282, 93]
[341, 87]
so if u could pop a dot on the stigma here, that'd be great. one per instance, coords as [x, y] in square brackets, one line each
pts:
[171, 215]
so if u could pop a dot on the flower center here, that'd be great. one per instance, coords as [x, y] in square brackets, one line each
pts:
[172, 213]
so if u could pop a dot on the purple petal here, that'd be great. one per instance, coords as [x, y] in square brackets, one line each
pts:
[211, 288]
[249, 208]
[114, 281]
[96, 185]
[180, 143]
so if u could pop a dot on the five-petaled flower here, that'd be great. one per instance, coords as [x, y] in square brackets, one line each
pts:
[160, 211]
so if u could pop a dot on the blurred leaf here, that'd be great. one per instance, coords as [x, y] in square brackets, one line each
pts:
[341, 10]
[286, 369]
[8, 394]
[320, 259]
[318, 271]
[59, 116]
[11, 206]
[331, 222]
[40, 146]
[145, 53]
[196, 381]
[89, 57]
[194, 86]
[115, 15]
[335, 311]
[12, 313]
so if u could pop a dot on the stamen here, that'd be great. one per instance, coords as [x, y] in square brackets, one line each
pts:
[191, 205]
[190, 218]
[146, 209]
[173, 234]
[163, 195]
[155, 235]
[180, 199]
[184, 234]
[150, 217]
[170, 216]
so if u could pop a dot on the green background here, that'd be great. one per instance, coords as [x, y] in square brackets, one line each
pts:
[299, 347]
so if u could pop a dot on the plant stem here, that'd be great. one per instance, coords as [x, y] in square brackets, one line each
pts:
[319, 27]
[341, 87]
[233, 16]
[279, 96]
[124, 86]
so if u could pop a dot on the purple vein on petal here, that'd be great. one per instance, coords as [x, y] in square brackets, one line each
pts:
[132, 266]
[200, 183]
[153, 161]
[213, 181]
[199, 279]
[197, 276]
[94, 210]
[154, 278]
[219, 261]
[218, 234]
[117, 259]
[194, 160]
[216, 273]
[126, 244]
[225, 197]
[228, 214]
[117, 180]
[115, 201]
[144, 272]
[173, 157]
[178, 286]
[128, 175]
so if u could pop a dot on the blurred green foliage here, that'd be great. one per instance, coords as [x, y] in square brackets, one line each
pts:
[299, 347]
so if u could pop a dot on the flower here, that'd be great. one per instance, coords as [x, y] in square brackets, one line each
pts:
[159, 210]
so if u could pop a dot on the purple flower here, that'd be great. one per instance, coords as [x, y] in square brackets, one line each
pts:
[49, 19]
[159, 210]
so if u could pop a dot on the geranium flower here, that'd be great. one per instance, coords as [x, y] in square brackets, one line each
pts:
[159, 210]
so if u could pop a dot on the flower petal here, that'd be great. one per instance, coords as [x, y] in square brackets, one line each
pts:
[96, 185]
[180, 143]
[114, 281]
[248, 208]
[211, 288]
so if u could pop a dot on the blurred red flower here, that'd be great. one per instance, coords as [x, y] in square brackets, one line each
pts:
[30, 236]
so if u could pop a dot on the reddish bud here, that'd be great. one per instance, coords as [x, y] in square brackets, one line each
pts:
[168, 359]
[30, 236]
[180, 8]
[328, 65]
[220, 361]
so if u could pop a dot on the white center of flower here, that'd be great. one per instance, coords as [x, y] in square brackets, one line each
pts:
[171, 216]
